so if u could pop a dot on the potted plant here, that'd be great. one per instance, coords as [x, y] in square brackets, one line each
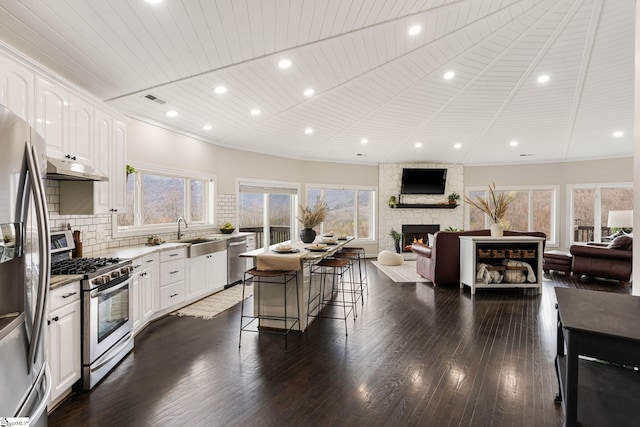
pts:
[393, 202]
[396, 239]
[453, 198]
[130, 170]
[493, 205]
[311, 217]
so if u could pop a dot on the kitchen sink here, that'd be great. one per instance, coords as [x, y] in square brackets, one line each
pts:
[200, 246]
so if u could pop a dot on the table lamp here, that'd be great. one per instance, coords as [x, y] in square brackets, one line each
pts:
[621, 219]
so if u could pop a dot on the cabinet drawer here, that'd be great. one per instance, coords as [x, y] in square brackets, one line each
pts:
[172, 294]
[64, 295]
[171, 271]
[151, 260]
[172, 254]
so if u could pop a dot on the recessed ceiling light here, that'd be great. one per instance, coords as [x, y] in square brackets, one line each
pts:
[172, 113]
[309, 92]
[457, 146]
[418, 144]
[618, 134]
[220, 90]
[255, 112]
[364, 141]
[153, 1]
[285, 63]
[414, 30]
[207, 127]
[449, 75]
[308, 131]
[513, 143]
[543, 78]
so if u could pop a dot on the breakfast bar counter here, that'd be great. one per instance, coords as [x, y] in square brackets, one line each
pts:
[296, 256]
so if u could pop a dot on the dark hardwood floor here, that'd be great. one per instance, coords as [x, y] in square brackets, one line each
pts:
[416, 356]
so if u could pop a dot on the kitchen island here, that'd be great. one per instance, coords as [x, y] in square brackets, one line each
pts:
[271, 300]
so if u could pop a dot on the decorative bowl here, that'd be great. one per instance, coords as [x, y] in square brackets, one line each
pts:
[227, 230]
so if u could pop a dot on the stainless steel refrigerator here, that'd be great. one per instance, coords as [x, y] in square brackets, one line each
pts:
[24, 272]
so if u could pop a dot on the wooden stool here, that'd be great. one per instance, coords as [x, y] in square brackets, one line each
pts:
[259, 278]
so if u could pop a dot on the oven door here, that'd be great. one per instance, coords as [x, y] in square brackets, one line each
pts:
[106, 317]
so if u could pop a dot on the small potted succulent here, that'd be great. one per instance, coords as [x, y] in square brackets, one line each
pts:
[393, 202]
[453, 198]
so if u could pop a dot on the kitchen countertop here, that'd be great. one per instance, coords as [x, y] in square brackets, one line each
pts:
[58, 280]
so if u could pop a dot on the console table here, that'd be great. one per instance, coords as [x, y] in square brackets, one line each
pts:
[492, 251]
[604, 326]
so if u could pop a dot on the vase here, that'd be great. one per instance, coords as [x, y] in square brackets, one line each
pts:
[496, 230]
[398, 246]
[307, 235]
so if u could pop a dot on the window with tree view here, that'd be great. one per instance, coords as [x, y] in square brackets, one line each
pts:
[350, 210]
[156, 199]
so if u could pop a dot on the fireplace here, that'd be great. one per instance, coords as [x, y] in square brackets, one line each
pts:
[416, 232]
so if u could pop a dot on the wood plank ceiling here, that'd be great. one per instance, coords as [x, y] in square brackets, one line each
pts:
[372, 80]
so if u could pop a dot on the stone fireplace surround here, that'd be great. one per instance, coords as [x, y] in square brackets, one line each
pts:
[390, 175]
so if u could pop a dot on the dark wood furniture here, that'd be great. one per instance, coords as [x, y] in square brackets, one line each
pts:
[603, 326]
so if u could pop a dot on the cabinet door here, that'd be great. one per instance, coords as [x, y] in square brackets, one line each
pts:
[216, 272]
[17, 89]
[148, 281]
[52, 104]
[64, 348]
[81, 131]
[196, 273]
[117, 173]
[136, 302]
[102, 148]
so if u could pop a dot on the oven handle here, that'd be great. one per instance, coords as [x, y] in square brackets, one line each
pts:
[96, 294]
[113, 352]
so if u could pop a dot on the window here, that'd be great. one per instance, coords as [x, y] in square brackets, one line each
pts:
[534, 209]
[590, 205]
[351, 210]
[155, 201]
[268, 209]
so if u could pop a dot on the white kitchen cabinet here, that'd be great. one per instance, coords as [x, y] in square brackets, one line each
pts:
[80, 144]
[17, 89]
[206, 274]
[64, 340]
[172, 279]
[91, 198]
[143, 283]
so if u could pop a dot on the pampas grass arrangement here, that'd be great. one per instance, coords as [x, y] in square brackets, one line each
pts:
[312, 217]
[494, 205]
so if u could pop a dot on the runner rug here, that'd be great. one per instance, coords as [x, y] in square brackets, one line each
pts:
[207, 308]
[401, 273]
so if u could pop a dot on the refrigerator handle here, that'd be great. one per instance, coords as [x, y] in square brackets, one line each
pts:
[35, 180]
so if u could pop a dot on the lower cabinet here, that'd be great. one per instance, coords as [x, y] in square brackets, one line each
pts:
[206, 274]
[63, 322]
[172, 279]
[143, 283]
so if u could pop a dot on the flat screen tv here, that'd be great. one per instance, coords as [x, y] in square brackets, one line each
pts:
[423, 181]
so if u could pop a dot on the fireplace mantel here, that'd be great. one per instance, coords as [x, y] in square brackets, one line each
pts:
[426, 206]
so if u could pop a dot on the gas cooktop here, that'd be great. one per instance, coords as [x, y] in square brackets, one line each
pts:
[83, 265]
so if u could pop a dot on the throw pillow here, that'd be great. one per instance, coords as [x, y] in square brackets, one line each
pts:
[430, 239]
[621, 242]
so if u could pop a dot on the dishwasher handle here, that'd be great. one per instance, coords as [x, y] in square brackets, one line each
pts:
[239, 243]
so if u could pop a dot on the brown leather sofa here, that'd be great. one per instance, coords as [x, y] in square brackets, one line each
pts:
[440, 263]
[607, 261]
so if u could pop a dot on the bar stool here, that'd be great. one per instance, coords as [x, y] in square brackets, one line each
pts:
[337, 297]
[272, 278]
[364, 279]
[355, 287]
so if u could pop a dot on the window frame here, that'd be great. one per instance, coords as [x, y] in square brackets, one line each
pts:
[374, 203]
[553, 240]
[138, 229]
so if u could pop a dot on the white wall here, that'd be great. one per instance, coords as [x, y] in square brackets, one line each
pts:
[636, 177]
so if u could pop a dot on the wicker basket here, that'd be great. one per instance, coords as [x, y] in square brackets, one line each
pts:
[498, 253]
[528, 253]
[514, 253]
[484, 253]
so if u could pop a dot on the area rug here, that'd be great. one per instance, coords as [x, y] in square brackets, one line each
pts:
[207, 308]
[401, 273]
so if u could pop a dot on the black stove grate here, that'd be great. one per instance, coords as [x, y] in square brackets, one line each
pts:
[81, 265]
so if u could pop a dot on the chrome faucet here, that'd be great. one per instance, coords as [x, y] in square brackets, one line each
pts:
[185, 226]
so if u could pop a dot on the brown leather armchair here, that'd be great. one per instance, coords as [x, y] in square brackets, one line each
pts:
[440, 263]
[608, 261]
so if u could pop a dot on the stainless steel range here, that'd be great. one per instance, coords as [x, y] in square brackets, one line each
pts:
[107, 332]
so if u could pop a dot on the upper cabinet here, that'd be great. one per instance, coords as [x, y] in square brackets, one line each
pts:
[17, 89]
[65, 123]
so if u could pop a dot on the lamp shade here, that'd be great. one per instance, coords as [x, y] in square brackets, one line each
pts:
[620, 219]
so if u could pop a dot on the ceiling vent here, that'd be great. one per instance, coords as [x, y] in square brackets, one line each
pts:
[155, 99]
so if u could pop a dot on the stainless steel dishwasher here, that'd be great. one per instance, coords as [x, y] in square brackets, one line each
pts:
[235, 264]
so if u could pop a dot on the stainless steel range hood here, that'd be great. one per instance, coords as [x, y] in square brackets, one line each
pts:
[64, 170]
